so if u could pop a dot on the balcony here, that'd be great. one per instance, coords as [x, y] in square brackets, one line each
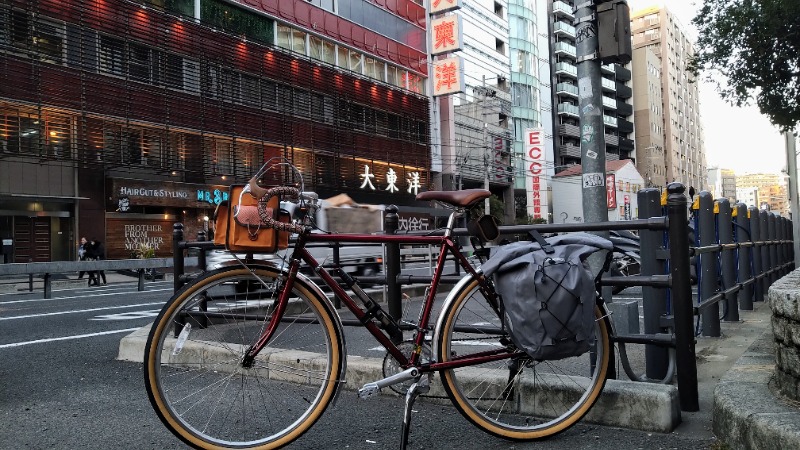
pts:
[624, 109]
[610, 121]
[561, 9]
[564, 29]
[563, 48]
[568, 109]
[567, 89]
[609, 85]
[609, 102]
[569, 151]
[612, 140]
[625, 144]
[623, 91]
[565, 68]
[622, 73]
[607, 68]
[625, 127]
[566, 129]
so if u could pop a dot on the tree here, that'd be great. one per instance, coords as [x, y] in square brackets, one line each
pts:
[751, 50]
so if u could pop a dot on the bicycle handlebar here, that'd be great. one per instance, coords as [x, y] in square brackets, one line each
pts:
[263, 195]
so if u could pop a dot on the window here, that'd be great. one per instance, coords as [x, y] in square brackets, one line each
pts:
[111, 56]
[284, 37]
[235, 20]
[251, 92]
[355, 64]
[375, 69]
[299, 41]
[139, 62]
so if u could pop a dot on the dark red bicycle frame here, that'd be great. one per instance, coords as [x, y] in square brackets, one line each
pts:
[445, 244]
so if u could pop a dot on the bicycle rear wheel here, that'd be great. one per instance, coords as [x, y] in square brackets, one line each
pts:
[518, 399]
[193, 372]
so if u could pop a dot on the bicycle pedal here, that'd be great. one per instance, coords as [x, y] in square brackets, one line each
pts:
[368, 390]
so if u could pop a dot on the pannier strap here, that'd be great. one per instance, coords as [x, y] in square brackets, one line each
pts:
[546, 246]
[463, 198]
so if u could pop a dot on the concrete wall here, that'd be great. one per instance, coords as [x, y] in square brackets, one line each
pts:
[784, 300]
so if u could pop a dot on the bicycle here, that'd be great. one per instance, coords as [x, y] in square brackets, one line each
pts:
[256, 369]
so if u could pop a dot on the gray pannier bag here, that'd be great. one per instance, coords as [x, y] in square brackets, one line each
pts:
[547, 293]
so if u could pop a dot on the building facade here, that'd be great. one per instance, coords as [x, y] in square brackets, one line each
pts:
[658, 30]
[119, 118]
[722, 183]
[623, 181]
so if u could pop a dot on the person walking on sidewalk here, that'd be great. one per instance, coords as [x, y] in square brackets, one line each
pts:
[82, 250]
[97, 253]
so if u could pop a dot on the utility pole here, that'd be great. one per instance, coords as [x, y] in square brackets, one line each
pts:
[791, 166]
[486, 157]
[590, 112]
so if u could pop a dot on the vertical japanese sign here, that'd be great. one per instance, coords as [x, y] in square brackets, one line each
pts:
[448, 76]
[627, 207]
[446, 34]
[611, 191]
[536, 174]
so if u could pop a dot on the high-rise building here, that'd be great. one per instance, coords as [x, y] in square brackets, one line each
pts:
[656, 30]
[771, 188]
[617, 93]
[119, 118]
[722, 183]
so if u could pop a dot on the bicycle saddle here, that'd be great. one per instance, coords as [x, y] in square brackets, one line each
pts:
[463, 198]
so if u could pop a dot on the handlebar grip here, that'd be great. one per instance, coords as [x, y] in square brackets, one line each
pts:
[267, 219]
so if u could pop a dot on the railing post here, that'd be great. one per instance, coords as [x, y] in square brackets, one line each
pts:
[654, 303]
[177, 255]
[140, 284]
[763, 222]
[727, 257]
[772, 234]
[708, 265]
[758, 268]
[30, 282]
[742, 233]
[201, 256]
[48, 287]
[337, 262]
[683, 307]
[391, 222]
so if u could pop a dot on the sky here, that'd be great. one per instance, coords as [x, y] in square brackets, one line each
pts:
[735, 138]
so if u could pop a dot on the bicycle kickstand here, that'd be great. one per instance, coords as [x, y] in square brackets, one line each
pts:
[421, 386]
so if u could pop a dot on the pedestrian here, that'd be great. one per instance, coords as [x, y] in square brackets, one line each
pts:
[97, 253]
[82, 248]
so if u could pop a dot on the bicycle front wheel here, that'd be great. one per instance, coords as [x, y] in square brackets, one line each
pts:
[193, 367]
[515, 398]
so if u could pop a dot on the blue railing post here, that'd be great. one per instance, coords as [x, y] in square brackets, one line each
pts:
[682, 305]
[758, 268]
[654, 303]
[708, 265]
[727, 257]
[763, 222]
[742, 233]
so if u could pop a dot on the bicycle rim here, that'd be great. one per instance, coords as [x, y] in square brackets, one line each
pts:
[516, 399]
[193, 371]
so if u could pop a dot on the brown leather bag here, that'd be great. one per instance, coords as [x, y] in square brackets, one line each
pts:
[240, 228]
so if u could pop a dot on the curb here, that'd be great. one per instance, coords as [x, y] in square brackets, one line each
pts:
[746, 414]
[626, 404]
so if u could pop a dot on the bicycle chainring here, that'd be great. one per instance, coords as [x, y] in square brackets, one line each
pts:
[391, 367]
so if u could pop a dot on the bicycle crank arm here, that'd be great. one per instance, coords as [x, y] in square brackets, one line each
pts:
[370, 389]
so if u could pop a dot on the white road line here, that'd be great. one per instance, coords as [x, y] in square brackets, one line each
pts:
[78, 311]
[33, 300]
[67, 338]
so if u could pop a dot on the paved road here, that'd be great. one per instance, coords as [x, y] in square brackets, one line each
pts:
[62, 388]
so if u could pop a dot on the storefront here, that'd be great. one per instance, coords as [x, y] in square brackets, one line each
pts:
[142, 214]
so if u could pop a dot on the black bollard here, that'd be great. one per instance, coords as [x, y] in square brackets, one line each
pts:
[201, 256]
[727, 258]
[177, 256]
[391, 222]
[758, 268]
[708, 265]
[742, 235]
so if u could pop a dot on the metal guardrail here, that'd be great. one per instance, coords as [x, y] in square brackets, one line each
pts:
[669, 306]
[47, 269]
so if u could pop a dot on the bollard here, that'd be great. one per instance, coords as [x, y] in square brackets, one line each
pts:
[727, 258]
[201, 256]
[683, 309]
[742, 234]
[758, 269]
[48, 287]
[763, 222]
[654, 303]
[140, 274]
[391, 222]
[708, 265]
[177, 255]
